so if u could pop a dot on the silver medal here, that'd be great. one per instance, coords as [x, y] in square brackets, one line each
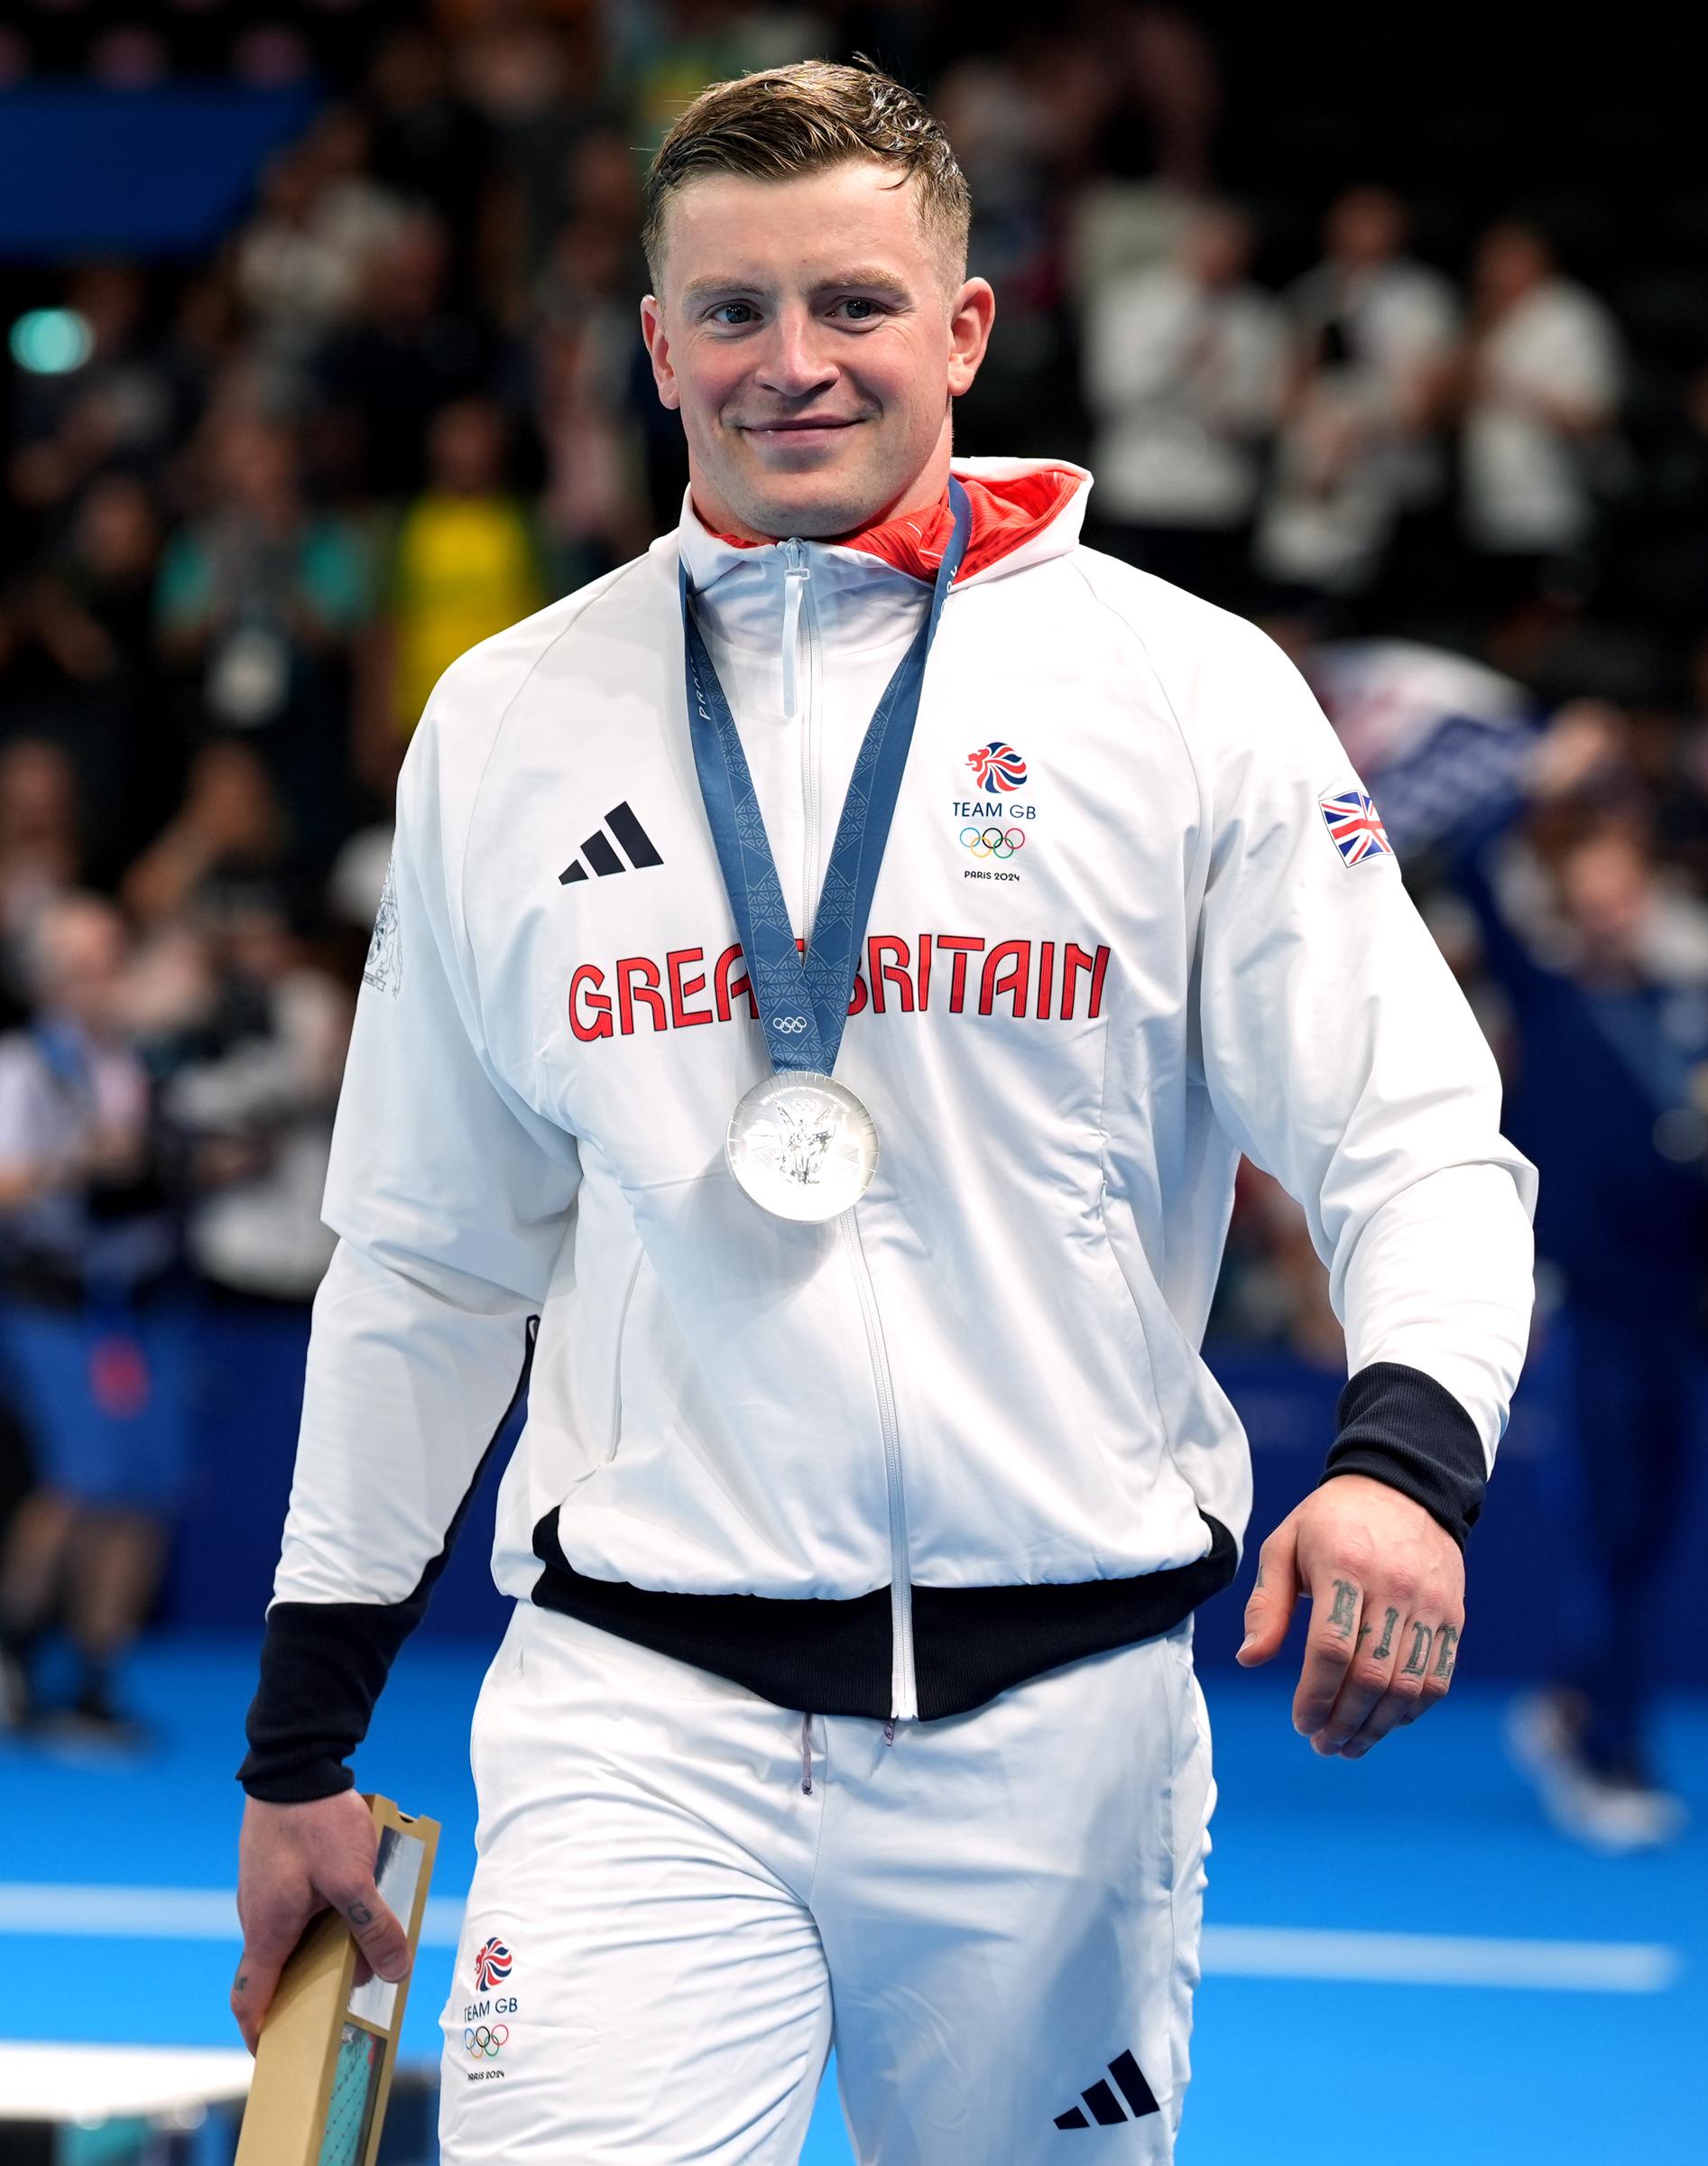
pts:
[802, 1145]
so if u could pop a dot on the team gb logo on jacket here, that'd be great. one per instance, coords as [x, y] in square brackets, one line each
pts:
[993, 827]
[997, 767]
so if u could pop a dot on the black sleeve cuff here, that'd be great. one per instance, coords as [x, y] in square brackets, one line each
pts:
[322, 1665]
[1401, 1427]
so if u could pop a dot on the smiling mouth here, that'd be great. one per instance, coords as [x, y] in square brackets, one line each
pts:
[801, 428]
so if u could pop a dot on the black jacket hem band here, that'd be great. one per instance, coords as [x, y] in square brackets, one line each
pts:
[828, 1657]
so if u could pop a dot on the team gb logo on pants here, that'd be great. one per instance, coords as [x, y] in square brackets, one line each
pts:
[491, 1965]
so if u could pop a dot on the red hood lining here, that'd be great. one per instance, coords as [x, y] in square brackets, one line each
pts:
[1005, 513]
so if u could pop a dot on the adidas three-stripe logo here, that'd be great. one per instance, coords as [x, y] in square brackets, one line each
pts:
[1101, 2104]
[598, 852]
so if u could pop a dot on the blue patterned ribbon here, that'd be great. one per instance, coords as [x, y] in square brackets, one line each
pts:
[803, 1001]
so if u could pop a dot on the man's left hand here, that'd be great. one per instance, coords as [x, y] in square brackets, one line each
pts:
[1386, 1584]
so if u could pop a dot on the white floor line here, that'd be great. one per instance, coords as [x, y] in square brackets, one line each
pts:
[1279, 1951]
[86, 1912]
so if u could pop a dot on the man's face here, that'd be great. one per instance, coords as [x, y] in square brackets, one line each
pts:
[812, 337]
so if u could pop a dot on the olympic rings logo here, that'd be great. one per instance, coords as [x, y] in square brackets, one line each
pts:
[791, 1026]
[993, 842]
[484, 2042]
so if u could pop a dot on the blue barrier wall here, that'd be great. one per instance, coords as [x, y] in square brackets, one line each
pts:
[85, 171]
[1521, 1576]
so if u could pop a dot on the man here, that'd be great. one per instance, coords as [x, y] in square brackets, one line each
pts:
[92, 1341]
[1183, 363]
[856, 1536]
[1372, 351]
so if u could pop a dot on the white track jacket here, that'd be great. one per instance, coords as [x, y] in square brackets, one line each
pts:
[1134, 919]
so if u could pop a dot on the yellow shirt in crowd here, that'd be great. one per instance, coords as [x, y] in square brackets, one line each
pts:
[463, 568]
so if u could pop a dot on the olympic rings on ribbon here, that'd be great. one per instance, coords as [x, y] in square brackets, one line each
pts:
[993, 842]
[483, 2041]
[791, 1026]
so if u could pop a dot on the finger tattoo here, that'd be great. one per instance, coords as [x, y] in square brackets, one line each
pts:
[1446, 1641]
[1387, 1646]
[1364, 1632]
[359, 1913]
[1345, 1608]
[1417, 1661]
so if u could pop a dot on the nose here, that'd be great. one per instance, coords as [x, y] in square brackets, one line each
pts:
[794, 364]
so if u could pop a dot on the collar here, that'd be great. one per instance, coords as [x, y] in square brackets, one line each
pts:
[1024, 511]
[1008, 509]
[866, 591]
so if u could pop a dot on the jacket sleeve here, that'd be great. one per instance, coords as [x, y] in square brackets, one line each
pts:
[1342, 1058]
[449, 1195]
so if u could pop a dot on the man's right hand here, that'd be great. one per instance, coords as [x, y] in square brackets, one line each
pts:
[295, 1861]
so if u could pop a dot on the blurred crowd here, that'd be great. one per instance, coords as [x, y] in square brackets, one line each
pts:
[403, 403]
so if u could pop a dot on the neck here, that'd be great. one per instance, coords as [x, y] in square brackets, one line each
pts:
[920, 494]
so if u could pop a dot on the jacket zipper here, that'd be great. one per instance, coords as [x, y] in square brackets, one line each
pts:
[904, 1700]
[799, 628]
[799, 685]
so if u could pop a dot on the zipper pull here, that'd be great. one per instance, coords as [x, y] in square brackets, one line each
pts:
[797, 572]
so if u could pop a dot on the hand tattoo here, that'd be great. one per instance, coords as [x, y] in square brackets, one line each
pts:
[1447, 1639]
[1417, 1661]
[1346, 1609]
[1386, 1648]
[359, 1914]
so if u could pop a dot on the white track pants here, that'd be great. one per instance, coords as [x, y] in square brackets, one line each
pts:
[685, 1895]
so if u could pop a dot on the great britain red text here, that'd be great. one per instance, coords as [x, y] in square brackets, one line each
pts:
[1038, 981]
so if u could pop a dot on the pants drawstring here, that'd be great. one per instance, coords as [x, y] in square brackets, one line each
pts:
[806, 1756]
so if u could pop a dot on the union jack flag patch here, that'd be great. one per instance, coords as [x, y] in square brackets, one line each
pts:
[1354, 826]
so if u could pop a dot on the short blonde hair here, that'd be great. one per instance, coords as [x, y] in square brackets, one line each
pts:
[786, 121]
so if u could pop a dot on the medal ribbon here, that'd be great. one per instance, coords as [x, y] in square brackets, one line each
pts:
[803, 1001]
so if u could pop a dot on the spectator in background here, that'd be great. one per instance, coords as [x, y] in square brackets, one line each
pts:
[251, 1094]
[301, 266]
[1373, 335]
[1606, 972]
[535, 85]
[584, 359]
[230, 837]
[92, 1341]
[259, 601]
[463, 563]
[1542, 373]
[77, 661]
[40, 854]
[1005, 131]
[1181, 363]
[410, 348]
[426, 145]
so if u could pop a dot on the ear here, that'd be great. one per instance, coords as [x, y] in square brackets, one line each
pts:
[658, 346]
[970, 315]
